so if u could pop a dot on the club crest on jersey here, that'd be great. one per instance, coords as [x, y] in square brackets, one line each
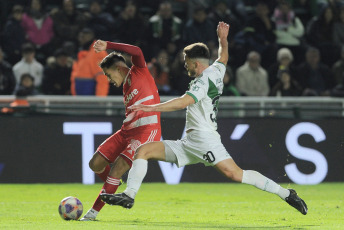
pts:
[195, 88]
[130, 96]
[129, 81]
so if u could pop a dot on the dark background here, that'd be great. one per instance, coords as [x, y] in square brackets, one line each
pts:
[35, 150]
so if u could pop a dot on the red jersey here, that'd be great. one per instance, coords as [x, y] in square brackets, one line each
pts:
[138, 88]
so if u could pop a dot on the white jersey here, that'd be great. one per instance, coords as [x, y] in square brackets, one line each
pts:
[205, 90]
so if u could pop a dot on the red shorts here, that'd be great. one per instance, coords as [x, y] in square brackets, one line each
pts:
[124, 143]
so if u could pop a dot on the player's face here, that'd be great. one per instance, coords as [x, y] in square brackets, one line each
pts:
[190, 66]
[114, 76]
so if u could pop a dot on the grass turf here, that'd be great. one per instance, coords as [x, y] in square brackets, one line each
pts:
[183, 206]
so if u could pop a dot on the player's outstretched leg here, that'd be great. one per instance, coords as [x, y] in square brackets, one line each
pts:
[295, 201]
[112, 181]
[120, 199]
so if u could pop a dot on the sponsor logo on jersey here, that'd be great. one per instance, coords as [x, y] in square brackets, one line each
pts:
[130, 96]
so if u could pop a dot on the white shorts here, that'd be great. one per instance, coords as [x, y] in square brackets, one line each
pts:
[197, 147]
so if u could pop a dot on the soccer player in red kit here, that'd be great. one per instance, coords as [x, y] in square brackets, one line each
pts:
[138, 127]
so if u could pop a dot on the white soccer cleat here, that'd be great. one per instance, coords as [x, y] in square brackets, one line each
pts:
[90, 215]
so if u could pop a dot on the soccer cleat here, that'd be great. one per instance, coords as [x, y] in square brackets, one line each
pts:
[120, 199]
[88, 219]
[90, 215]
[294, 200]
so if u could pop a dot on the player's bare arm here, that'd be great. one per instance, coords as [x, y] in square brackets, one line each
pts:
[99, 46]
[168, 106]
[222, 34]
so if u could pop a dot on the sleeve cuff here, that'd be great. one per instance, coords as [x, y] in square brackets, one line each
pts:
[221, 63]
[193, 96]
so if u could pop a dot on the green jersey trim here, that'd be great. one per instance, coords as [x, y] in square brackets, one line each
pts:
[212, 91]
[221, 63]
[193, 96]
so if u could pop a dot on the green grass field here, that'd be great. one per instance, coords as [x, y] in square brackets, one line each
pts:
[183, 206]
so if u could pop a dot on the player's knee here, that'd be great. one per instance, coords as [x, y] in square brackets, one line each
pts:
[141, 153]
[92, 165]
[95, 167]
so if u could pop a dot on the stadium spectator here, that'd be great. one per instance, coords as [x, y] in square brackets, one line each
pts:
[305, 10]
[239, 9]
[289, 30]
[320, 34]
[179, 75]
[7, 80]
[199, 28]
[100, 22]
[221, 13]
[314, 76]
[28, 64]
[26, 86]
[194, 4]
[284, 62]
[56, 77]
[286, 86]
[13, 35]
[129, 22]
[159, 69]
[338, 29]
[335, 6]
[252, 78]
[137, 128]
[259, 34]
[39, 29]
[165, 30]
[68, 22]
[229, 88]
[24, 89]
[202, 143]
[87, 77]
[338, 69]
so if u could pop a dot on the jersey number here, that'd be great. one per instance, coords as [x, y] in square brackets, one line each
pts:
[215, 102]
[209, 156]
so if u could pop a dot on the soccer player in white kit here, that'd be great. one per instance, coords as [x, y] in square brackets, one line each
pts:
[202, 143]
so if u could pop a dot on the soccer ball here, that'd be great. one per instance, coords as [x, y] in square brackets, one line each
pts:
[70, 208]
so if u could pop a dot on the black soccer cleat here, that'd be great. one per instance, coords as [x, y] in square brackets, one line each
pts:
[294, 200]
[120, 199]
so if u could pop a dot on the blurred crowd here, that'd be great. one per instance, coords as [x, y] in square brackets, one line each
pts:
[276, 47]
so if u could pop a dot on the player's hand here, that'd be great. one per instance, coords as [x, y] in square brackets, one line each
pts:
[222, 30]
[140, 107]
[99, 46]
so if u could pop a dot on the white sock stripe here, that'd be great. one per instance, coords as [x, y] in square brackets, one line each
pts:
[113, 180]
[112, 183]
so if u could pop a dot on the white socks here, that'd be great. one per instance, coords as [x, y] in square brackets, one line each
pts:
[139, 170]
[259, 181]
[135, 177]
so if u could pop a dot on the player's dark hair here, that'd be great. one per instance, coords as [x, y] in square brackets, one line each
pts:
[111, 59]
[197, 50]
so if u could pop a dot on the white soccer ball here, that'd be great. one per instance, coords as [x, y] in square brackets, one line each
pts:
[70, 208]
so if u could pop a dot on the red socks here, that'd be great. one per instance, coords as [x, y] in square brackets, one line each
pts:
[105, 173]
[110, 186]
